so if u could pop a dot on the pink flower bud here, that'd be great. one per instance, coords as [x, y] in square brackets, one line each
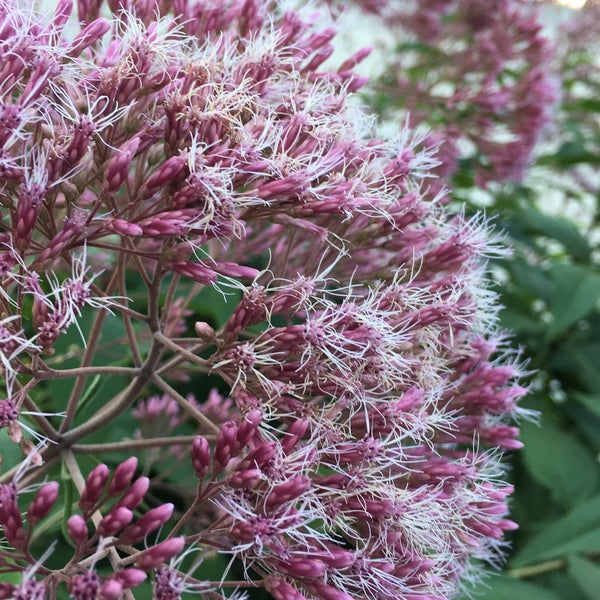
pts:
[42, 503]
[9, 413]
[336, 558]
[200, 456]
[355, 59]
[89, 35]
[155, 556]
[195, 271]
[77, 529]
[94, 486]
[302, 567]
[328, 592]
[130, 578]
[122, 477]
[61, 14]
[287, 491]
[246, 479]
[151, 521]
[10, 517]
[110, 590]
[135, 494]
[166, 173]
[260, 456]
[248, 426]
[123, 227]
[118, 518]
[118, 166]
[227, 445]
[281, 589]
[234, 270]
[294, 434]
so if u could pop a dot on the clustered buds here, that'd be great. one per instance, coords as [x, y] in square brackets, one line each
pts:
[191, 202]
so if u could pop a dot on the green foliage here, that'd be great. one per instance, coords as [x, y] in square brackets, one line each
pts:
[550, 289]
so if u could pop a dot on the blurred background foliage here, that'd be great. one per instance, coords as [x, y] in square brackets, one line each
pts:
[550, 288]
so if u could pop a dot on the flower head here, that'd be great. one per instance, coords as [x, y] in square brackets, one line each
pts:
[205, 154]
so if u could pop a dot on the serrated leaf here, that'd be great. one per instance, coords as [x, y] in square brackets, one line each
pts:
[587, 576]
[577, 290]
[503, 587]
[578, 531]
[551, 454]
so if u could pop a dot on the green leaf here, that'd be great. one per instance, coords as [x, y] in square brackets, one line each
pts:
[532, 278]
[584, 410]
[503, 587]
[557, 228]
[586, 104]
[569, 154]
[577, 290]
[586, 358]
[578, 531]
[590, 401]
[587, 576]
[551, 455]
[517, 314]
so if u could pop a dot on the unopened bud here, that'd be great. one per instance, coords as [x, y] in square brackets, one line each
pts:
[151, 521]
[204, 331]
[42, 503]
[77, 529]
[118, 518]
[94, 486]
[155, 556]
[122, 477]
[135, 494]
[200, 456]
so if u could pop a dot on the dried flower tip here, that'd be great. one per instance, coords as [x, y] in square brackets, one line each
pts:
[204, 331]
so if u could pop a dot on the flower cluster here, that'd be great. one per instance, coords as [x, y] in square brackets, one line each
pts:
[189, 200]
[478, 73]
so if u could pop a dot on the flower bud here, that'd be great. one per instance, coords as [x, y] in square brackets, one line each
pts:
[77, 529]
[89, 35]
[155, 556]
[129, 578]
[135, 494]
[151, 521]
[110, 590]
[122, 477]
[200, 456]
[94, 486]
[42, 503]
[118, 518]
[287, 491]
[227, 445]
